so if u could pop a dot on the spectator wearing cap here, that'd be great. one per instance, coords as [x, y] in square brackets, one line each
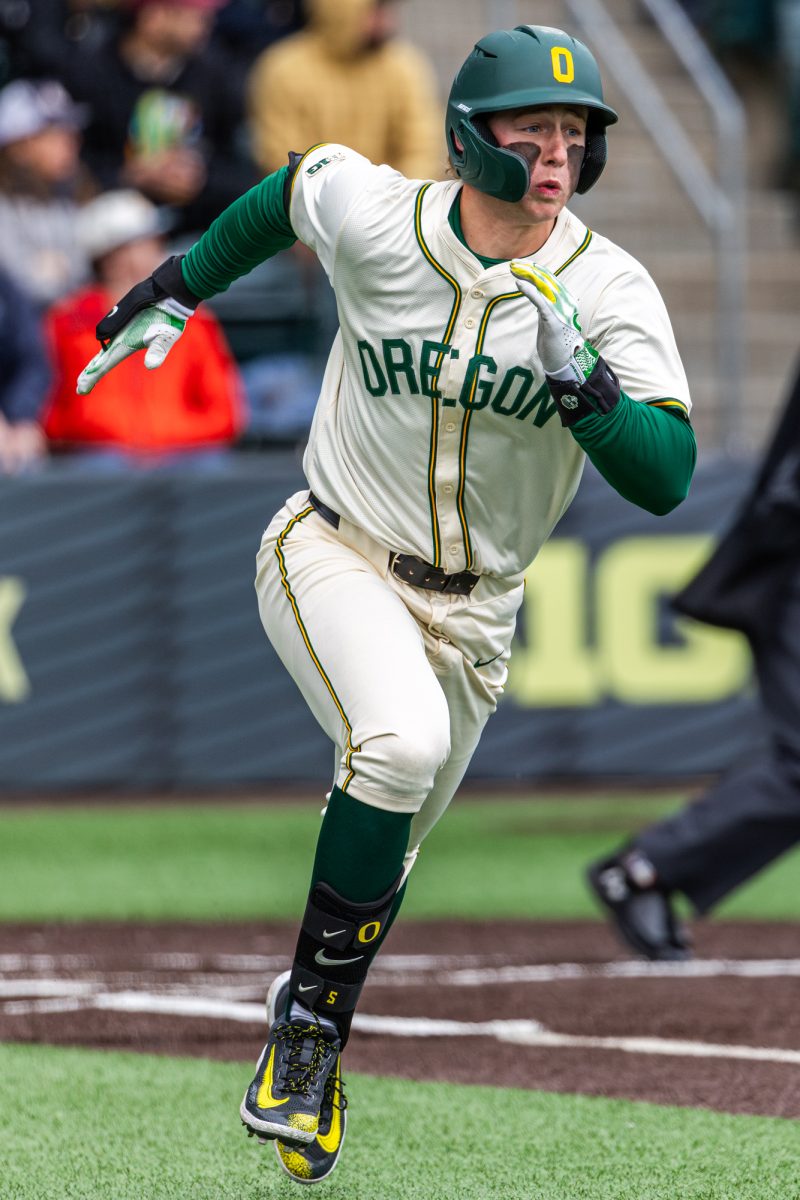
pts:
[165, 111]
[136, 417]
[347, 78]
[24, 380]
[40, 181]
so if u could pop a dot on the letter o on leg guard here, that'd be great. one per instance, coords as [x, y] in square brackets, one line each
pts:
[337, 943]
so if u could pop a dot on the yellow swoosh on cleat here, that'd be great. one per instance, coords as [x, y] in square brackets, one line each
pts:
[329, 1141]
[265, 1098]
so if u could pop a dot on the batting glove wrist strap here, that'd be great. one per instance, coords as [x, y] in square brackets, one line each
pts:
[150, 317]
[597, 393]
[165, 288]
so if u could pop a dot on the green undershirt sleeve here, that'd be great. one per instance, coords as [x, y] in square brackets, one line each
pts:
[252, 229]
[646, 453]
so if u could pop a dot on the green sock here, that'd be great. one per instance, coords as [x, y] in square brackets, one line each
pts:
[360, 849]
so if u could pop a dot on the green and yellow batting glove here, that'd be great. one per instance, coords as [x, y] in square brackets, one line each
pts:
[580, 380]
[150, 317]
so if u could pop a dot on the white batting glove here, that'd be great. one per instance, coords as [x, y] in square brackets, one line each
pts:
[580, 380]
[155, 329]
[151, 317]
[563, 352]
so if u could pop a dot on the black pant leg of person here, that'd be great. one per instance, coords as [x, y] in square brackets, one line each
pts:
[753, 815]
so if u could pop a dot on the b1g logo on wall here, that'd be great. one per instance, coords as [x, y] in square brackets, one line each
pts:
[601, 630]
[14, 684]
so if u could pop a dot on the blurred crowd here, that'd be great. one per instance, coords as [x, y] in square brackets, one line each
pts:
[758, 44]
[126, 126]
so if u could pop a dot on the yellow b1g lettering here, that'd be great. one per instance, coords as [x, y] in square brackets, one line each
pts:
[590, 630]
[14, 684]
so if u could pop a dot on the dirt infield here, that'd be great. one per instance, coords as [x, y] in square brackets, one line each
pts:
[548, 1006]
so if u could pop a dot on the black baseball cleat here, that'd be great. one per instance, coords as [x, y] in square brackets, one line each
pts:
[314, 1161]
[627, 887]
[286, 1095]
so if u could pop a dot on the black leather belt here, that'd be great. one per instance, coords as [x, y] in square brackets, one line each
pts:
[420, 574]
[408, 567]
[326, 513]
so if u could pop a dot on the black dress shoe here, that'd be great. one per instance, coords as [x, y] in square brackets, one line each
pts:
[627, 887]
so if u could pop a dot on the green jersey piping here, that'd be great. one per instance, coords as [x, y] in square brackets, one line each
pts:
[298, 168]
[462, 455]
[436, 540]
[671, 403]
[583, 246]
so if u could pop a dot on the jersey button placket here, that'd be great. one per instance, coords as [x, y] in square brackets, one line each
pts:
[447, 468]
[447, 472]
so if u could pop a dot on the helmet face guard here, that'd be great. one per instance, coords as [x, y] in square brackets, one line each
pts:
[526, 67]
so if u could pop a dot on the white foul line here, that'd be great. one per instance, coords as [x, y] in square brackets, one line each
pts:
[401, 969]
[532, 1033]
[700, 968]
[519, 1032]
[188, 961]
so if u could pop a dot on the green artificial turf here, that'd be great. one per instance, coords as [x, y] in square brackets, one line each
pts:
[85, 1125]
[488, 857]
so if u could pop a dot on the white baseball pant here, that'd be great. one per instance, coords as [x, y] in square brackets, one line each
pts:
[402, 679]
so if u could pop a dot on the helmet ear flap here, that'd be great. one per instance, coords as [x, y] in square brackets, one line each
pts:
[482, 126]
[594, 160]
[485, 164]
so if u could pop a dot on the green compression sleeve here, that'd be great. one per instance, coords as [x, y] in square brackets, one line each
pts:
[252, 229]
[360, 850]
[645, 452]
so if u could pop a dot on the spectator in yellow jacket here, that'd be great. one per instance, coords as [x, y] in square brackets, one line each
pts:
[347, 78]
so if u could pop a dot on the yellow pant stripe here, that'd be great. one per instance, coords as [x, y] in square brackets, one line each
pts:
[351, 749]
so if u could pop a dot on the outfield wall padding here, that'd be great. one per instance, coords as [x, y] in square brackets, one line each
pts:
[132, 655]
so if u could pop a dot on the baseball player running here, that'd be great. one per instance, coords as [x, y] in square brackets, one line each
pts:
[488, 342]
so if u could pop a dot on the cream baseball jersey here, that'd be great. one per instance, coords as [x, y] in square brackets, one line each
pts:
[435, 431]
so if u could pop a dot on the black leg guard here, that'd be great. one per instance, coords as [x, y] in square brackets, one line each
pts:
[337, 943]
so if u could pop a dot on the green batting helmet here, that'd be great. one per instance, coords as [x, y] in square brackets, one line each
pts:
[514, 68]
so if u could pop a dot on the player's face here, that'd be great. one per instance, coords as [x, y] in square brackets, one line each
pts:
[553, 140]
